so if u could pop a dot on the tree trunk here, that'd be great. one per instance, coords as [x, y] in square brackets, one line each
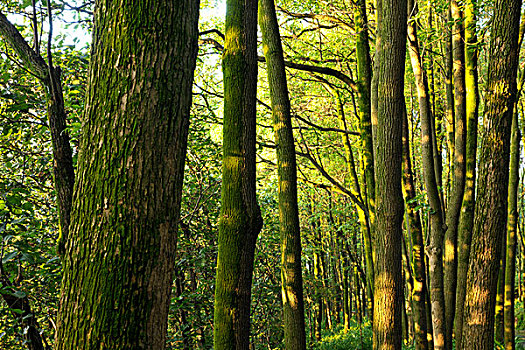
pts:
[240, 219]
[119, 260]
[291, 274]
[449, 88]
[364, 81]
[469, 194]
[436, 215]
[491, 204]
[458, 180]
[510, 266]
[418, 254]
[388, 281]
[500, 293]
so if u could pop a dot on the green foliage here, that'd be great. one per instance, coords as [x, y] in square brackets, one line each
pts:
[357, 336]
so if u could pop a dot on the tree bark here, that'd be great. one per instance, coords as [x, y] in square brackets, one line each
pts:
[418, 254]
[469, 194]
[388, 281]
[364, 85]
[435, 251]
[240, 219]
[458, 180]
[512, 224]
[118, 267]
[291, 274]
[491, 205]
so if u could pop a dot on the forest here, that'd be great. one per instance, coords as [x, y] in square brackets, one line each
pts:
[262, 174]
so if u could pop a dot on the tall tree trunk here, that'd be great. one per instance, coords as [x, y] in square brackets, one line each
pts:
[119, 260]
[469, 194]
[240, 219]
[388, 281]
[510, 266]
[364, 81]
[458, 179]
[418, 254]
[500, 293]
[449, 88]
[436, 215]
[291, 274]
[491, 205]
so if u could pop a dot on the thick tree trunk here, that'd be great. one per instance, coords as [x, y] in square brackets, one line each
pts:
[240, 219]
[469, 198]
[491, 205]
[291, 274]
[388, 281]
[119, 260]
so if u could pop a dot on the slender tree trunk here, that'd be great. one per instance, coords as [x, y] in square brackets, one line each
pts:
[449, 88]
[388, 281]
[436, 215]
[364, 81]
[469, 198]
[458, 179]
[318, 295]
[291, 274]
[491, 205]
[510, 271]
[500, 294]
[418, 254]
[240, 220]
[118, 267]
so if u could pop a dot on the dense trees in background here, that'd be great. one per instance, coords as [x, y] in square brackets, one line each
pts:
[352, 177]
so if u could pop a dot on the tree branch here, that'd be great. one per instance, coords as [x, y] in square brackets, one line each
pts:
[31, 60]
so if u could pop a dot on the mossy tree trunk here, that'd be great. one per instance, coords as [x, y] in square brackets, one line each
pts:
[118, 267]
[491, 204]
[291, 274]
[388, 279]
[364, 86]
[240, 218]
[469, 197]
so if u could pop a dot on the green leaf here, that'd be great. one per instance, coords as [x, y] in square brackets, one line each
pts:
[9, 257]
